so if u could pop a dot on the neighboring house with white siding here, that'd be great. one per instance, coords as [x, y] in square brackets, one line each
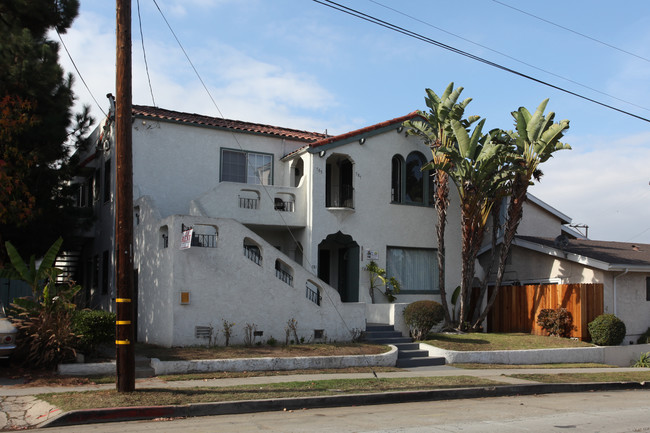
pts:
[546, 250]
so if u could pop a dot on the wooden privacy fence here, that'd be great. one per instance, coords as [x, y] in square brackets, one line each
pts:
[516, 307]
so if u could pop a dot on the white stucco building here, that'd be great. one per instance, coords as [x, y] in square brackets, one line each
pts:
[284, 222]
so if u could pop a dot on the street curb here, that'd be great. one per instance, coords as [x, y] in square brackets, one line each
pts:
[90, 416]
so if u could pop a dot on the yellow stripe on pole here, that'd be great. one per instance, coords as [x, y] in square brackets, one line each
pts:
[122, 342]
[122, 322]
[122, 300]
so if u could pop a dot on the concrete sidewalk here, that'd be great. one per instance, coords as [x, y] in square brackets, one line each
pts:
[20, 409]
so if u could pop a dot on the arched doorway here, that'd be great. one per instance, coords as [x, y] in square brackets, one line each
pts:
[338, 265]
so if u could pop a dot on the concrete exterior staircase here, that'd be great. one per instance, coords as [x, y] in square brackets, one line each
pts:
[143, 367]
[408, 352]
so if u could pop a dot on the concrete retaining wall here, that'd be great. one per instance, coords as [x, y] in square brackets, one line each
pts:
[622, 356]
[387, 359]
[270, 364]
[89, 369]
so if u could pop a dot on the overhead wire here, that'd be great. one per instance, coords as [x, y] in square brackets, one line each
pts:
[507, 55]
[79, 73]
[371, 19]
[573, 31]
[144, 53]
[188, 58]
[263, 186]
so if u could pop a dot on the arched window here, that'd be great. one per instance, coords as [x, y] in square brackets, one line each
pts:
[297, 171]
[339, 190]
[409, 184]
[414, 191]
[396, 179]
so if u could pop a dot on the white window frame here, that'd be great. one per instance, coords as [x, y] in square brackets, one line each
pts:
[416, 273]
[249, 177]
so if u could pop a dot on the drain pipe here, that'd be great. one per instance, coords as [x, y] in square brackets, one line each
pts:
[615, 289]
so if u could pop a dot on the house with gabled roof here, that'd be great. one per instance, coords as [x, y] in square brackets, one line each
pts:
[548, 250]
[283, 223]
[263, 226]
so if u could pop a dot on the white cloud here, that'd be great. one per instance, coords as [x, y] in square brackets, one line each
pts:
[243, 87]
[180, 8]
[91, 43]
[602, 183]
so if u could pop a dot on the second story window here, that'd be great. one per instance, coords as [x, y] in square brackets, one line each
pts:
[409, 184]
[246, 167]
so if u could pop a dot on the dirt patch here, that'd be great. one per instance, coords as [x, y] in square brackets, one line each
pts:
[230, 352]
[18, 377]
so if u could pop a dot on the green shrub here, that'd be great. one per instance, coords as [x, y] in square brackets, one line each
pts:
[45, 335]
[607, 330]
[421, 316]
[644, 361]
[94, 327]
[45, 339]
[644, 338]
[557, 322]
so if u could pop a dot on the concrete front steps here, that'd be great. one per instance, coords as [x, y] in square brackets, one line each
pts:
[409, 353]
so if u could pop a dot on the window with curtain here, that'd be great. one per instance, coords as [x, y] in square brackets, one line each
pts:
[246, 167]
[415, 268]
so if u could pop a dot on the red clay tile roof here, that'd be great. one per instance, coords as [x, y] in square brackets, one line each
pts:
[198, 119]
[328, 140]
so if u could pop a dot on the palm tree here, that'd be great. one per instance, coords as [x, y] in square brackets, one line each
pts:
[481, 169]
[536, 138]
[435, 130]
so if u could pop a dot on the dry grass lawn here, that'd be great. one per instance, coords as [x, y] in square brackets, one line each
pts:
[509, 341]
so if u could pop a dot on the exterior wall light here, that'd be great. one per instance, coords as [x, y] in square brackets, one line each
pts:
[321, 153]
[362, 140]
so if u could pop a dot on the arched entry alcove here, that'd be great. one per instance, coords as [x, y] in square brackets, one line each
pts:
[338, 265]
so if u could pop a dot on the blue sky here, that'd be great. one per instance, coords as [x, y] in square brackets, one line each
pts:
[296, 63]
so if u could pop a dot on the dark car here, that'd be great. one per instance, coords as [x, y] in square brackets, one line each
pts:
[7, 335]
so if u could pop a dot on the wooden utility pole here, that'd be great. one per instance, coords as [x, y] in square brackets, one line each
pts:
[125, 353]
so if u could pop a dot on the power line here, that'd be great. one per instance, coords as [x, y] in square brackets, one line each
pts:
[573, 31]
[188, 59]
[357, 14]
[268, 193]
[144, 53]
[79, 73]
[507, 55]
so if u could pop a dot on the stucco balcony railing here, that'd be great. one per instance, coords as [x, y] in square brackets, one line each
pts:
[267, 205]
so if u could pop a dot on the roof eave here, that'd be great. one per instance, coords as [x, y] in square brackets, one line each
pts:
[580, 259]
[359, 134]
